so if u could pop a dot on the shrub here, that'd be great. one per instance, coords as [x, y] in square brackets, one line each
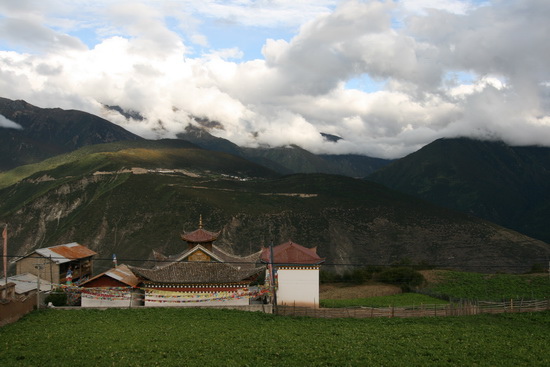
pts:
[404, 277]
[58, 297]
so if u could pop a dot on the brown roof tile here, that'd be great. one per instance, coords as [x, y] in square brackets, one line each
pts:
[200, 236]
[292, 253]
[197, 272]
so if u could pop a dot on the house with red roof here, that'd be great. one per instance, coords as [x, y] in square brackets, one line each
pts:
[202, 274]
[117, 287]
[71, 262]
[295, 273]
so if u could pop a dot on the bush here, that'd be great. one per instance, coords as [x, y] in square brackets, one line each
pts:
[404, 277]
[326, 276]
[58, 297]
[537, 269]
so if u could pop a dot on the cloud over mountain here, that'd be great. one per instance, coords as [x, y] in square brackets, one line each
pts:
[433, 69]
[9, 124]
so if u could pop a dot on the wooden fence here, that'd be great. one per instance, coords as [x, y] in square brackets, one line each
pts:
[451, 309]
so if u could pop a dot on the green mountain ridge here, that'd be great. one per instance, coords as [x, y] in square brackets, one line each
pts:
[99, 201]
[288, 159]
[47, 132]
[494, 181]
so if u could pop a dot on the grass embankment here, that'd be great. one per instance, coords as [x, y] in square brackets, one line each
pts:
[488, 287]
[442, 285]
[396, 300]
[198, 337]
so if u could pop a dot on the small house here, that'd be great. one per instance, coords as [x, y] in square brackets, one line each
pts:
[296, 273]
[116, 287]
[60, 264]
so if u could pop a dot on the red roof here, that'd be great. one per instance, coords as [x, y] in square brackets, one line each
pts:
[121, 274]
[292, 253]
[65, 253]
[200, 236]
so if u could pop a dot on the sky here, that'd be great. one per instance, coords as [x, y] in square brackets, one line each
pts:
[387, 77]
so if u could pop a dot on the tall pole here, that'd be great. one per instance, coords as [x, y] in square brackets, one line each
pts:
[5, 252]
[272, 275]
[38, 268]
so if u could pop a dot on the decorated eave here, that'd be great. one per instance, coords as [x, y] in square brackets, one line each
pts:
[215, 253]
[200, 236]
[198, 273]
[291, 253]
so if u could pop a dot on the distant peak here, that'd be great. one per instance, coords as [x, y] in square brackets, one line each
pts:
[330, 137]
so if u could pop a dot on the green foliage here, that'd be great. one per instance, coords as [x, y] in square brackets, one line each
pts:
[490, 287]
[397, 300]
[206, 337]
[57, 297]
[538, 268]
[404, 277]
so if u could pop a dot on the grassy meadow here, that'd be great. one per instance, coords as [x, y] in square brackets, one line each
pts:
[206, 337]
[488, 287]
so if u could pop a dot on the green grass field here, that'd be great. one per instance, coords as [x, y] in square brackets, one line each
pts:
[490, 287]
[206, 337]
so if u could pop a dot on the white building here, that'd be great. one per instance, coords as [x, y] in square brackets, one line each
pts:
[296, 271]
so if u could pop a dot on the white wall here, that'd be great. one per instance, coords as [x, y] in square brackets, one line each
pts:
[298, 286]
[152, 301]
[92, 301]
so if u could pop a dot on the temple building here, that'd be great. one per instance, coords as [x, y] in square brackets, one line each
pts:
[295, 274]
[202, 273]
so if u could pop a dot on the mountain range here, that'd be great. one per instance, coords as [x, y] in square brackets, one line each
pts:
[130, 196]
[46, 132]
[506, 185]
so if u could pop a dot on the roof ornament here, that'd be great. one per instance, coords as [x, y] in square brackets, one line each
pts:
[200, 221]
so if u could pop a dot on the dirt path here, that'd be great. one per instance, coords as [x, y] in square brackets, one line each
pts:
[346, 291]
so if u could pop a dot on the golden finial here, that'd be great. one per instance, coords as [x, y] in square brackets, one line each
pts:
[200, 221]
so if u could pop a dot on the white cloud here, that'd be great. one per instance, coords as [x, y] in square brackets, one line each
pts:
[155, 57]
[9, 124]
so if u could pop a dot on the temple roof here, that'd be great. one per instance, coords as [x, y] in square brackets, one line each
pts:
[292, 253]
[200, 236]
[216, 253]
[198, 272]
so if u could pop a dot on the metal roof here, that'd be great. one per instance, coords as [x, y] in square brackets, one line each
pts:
[64, 253]
[122, 273]
[27, 282]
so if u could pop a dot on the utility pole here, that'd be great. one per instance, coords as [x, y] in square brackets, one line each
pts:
[5, 251]
[38, 267]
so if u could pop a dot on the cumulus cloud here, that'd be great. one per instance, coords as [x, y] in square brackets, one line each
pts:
[446, 68]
